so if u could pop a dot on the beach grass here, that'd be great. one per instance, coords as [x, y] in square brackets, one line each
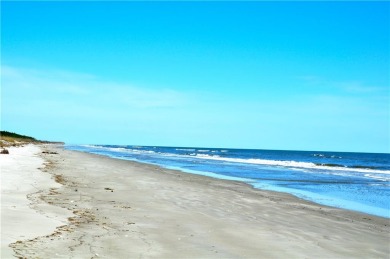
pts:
[8, 139]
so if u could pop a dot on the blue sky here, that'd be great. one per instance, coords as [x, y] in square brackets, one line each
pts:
[266, 75]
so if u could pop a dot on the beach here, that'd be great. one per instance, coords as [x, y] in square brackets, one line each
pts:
[57, 203]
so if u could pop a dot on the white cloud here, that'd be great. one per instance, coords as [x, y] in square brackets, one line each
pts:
[348, 87]
[360, 88]
[84, 108]
[67, 88]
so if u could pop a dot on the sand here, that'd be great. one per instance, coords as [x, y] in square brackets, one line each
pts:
[23, 215]
[89, 206]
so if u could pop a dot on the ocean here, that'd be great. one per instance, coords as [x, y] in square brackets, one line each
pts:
[354, 181]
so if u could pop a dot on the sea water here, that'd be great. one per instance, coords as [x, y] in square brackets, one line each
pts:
[355, 181]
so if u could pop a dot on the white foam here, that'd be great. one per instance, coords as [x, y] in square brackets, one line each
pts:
[383, 175]
[206, 156]
[378, 177]
[91, 146]
[294, 164]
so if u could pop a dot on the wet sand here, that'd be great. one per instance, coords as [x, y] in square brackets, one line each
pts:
[109, 208]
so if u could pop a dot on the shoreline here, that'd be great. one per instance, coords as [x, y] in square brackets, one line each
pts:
[339, 185]
[234, 179]
[121, 208]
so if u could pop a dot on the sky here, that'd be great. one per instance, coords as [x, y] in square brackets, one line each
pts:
[262, 75]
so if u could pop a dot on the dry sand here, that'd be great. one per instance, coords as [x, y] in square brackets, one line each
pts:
[23, 214]
[108, 208]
